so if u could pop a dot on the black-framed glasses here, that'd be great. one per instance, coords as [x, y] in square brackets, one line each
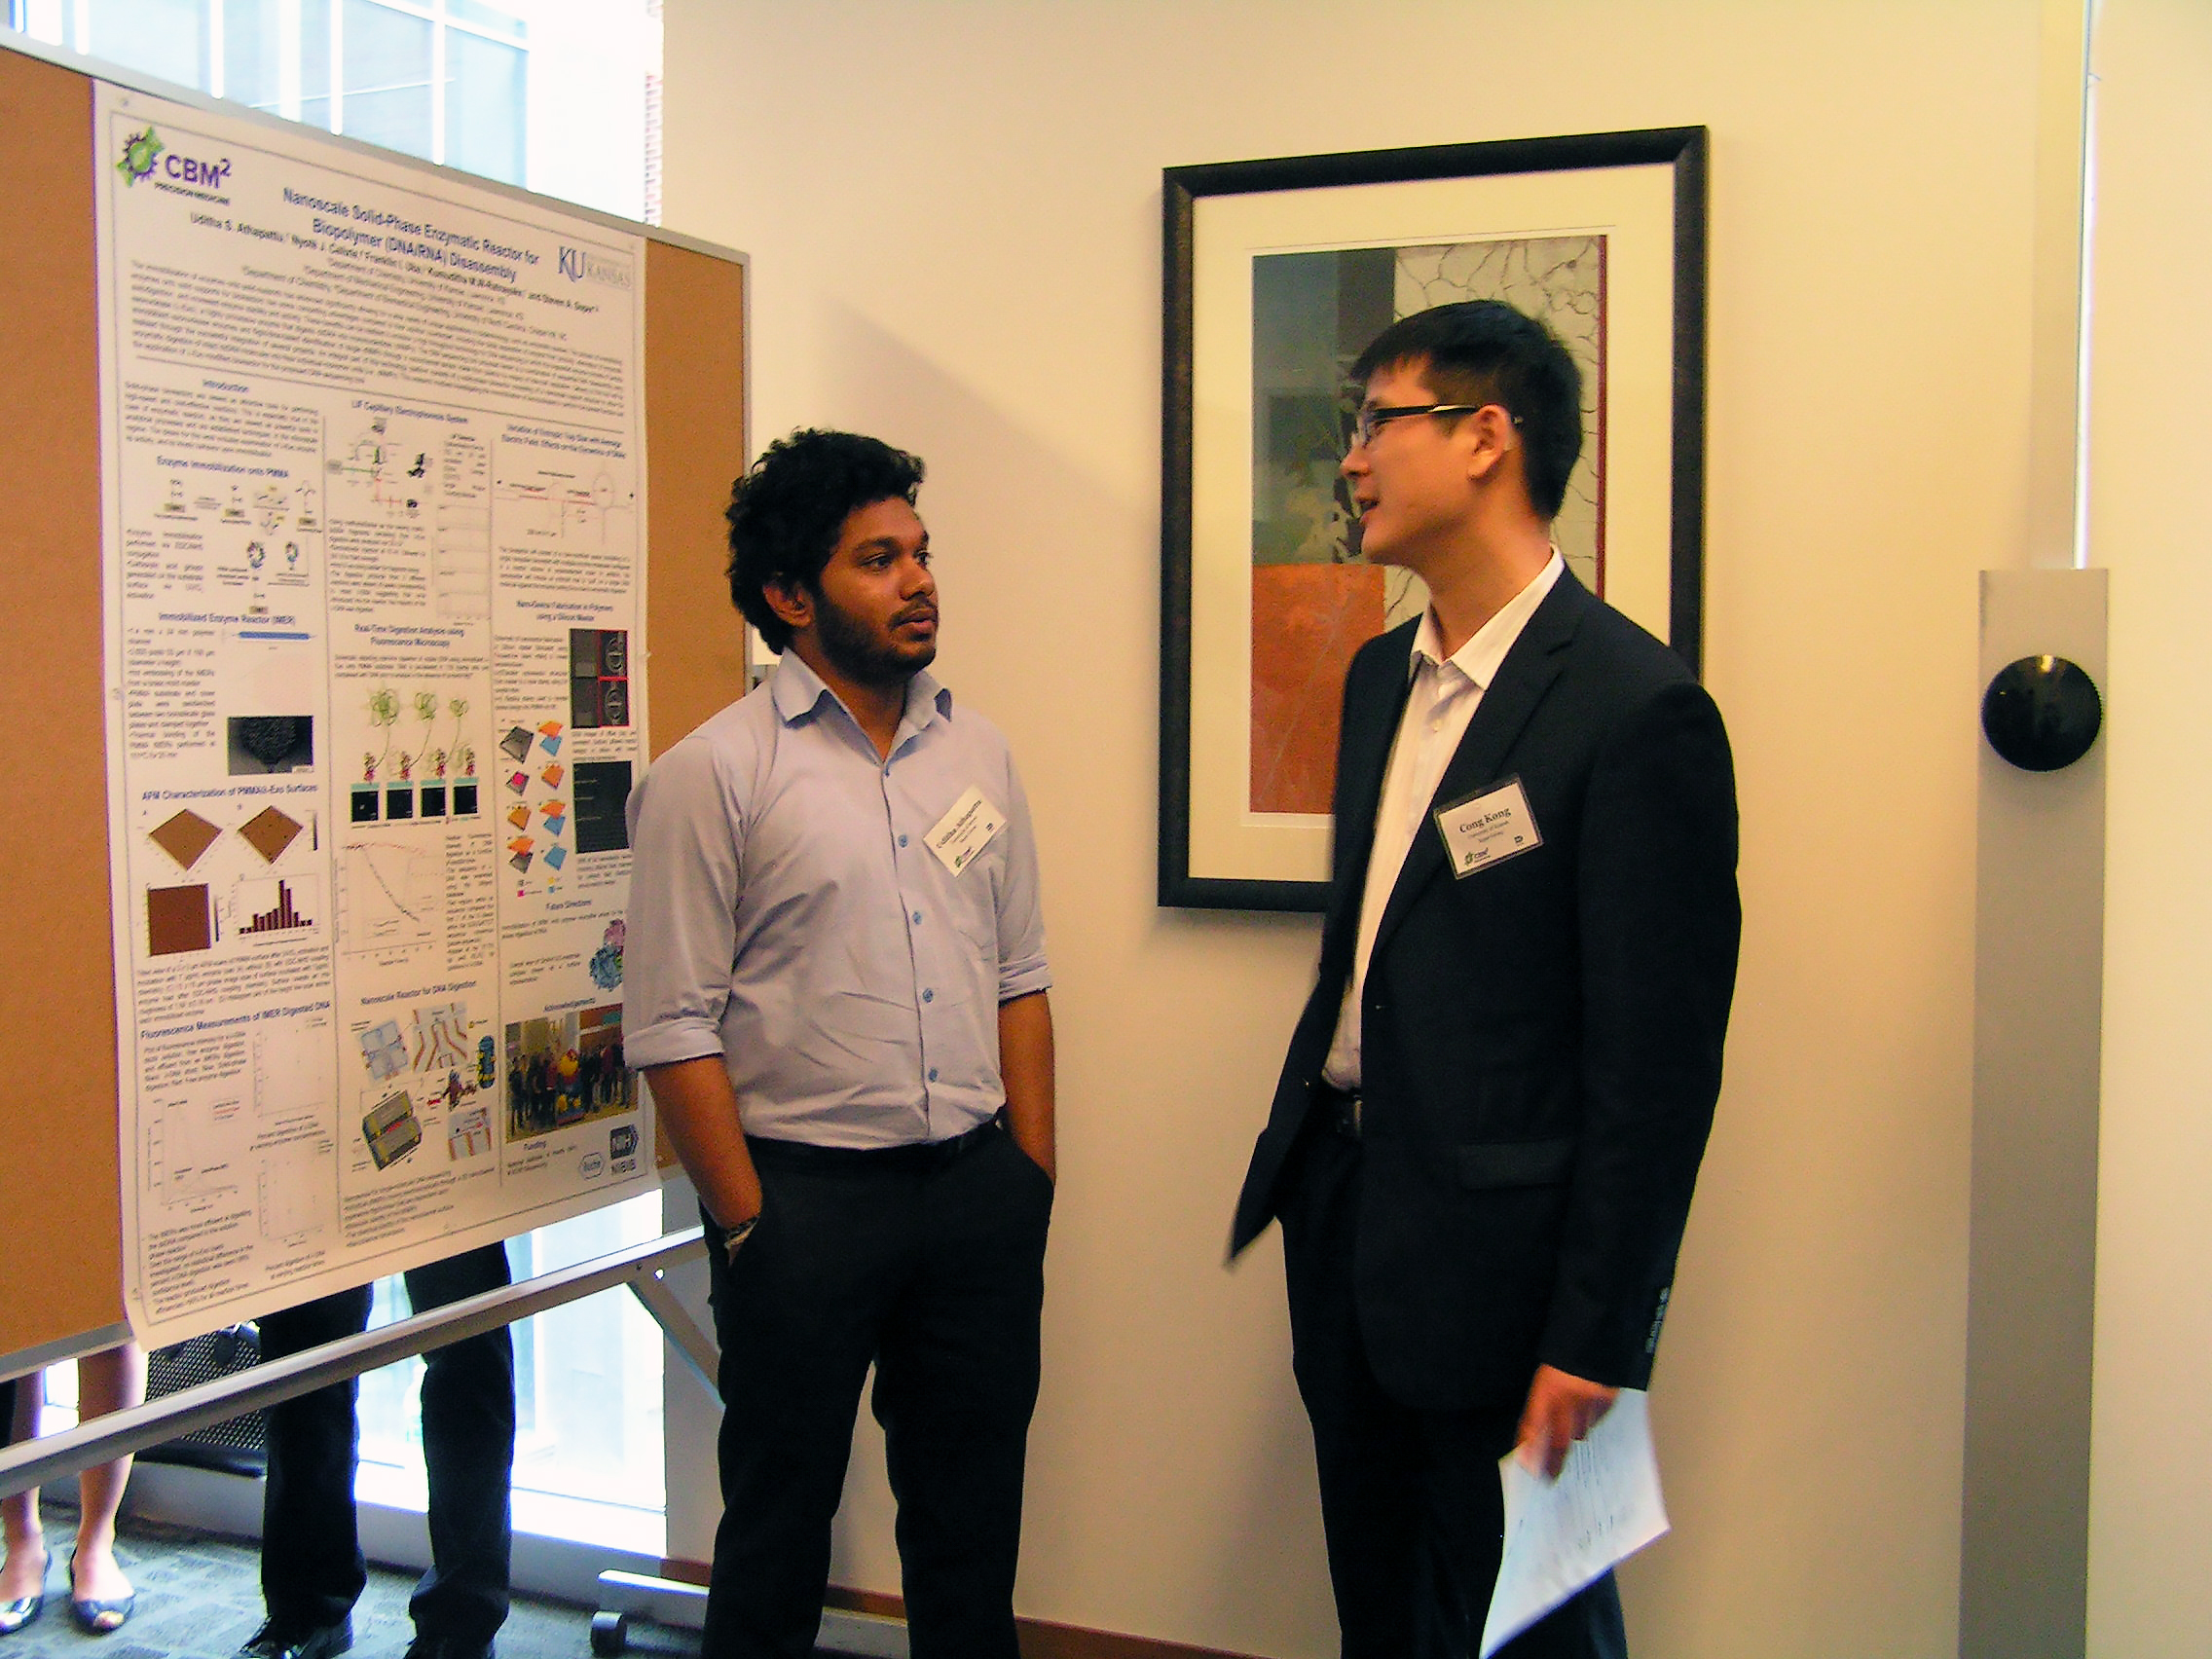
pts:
[1370, 420]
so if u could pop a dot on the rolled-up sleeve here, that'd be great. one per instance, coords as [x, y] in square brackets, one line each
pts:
[686, 838]
[1022, 968]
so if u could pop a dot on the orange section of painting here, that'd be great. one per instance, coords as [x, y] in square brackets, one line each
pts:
[1306, 623]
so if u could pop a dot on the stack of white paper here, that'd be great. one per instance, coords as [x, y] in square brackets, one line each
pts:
[1561, 1535]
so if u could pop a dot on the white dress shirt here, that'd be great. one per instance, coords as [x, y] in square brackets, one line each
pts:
[1444, 694]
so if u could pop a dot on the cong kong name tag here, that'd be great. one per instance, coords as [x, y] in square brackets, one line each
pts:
[1487, 828]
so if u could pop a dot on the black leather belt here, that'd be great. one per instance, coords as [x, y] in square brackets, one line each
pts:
[924, 1155]
[1342, 1112]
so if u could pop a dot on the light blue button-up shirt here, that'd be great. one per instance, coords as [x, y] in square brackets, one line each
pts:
[786, 914]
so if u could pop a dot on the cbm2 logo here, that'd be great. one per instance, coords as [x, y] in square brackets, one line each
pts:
[144, 153]
[141, 151]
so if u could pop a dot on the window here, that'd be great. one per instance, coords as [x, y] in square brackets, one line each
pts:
[588, 1462]
[558, 96]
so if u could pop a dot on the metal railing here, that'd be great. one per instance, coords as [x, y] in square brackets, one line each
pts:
[641, 1267]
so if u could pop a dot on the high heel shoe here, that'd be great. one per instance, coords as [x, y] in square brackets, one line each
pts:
[15, 1614]
[97, 1618]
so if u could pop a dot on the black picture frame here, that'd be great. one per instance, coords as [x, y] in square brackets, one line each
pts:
[1683, 152]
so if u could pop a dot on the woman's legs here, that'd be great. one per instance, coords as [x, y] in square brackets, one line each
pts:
[107, 1383]
[25, 1568]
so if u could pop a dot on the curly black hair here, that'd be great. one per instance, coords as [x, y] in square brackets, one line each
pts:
[786, 512]
[1485, 351]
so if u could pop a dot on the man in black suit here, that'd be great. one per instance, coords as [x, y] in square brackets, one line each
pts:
[1486, 1134]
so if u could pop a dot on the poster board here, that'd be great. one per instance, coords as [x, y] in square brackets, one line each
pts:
[60, 1251]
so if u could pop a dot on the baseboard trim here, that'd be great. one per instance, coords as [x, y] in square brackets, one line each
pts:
[1043, 1641]
[1040, 1638]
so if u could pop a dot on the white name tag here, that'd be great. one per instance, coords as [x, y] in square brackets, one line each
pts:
[1487, 828]
[966, 830]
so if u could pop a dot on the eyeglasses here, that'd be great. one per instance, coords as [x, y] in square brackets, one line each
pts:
[1371, 420]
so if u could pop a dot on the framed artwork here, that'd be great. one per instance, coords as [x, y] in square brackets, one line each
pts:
[1278, 273]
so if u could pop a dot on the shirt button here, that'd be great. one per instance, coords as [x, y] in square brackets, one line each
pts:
[917, 918]
[928, 996]
[902, 840]
[933, 1074]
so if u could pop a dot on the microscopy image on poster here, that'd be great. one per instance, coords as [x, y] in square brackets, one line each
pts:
[375, 606]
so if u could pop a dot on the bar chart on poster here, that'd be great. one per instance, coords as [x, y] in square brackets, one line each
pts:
[352, 470]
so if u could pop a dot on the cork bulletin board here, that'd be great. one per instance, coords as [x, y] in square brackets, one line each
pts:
[60, 1234]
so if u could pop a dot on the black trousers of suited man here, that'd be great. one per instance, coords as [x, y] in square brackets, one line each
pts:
[1411, 1503]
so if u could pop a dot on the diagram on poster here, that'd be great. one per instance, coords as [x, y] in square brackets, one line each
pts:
[190, 1151]
[460, 574]
[291, 1073]
[381, 474]
[297, 1197]
[375, 605]
[584, 509]
[393, 898]
[419, 748]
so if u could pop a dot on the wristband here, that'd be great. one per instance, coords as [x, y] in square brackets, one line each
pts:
[736, 1235]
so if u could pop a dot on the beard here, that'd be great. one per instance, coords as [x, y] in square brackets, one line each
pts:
[863, 655]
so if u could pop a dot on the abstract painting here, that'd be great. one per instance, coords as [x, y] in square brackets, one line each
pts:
[1279, 274]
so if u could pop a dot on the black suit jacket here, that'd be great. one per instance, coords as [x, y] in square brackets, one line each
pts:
[1540, 1039]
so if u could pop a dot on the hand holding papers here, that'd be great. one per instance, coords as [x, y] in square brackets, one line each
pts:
[1561, 1535]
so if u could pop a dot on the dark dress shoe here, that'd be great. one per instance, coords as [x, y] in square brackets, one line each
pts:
[23, 1610]
[273, 1640]
[101, 1618]
[97, 1618]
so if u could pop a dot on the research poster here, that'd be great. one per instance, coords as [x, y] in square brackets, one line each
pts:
[375, 606]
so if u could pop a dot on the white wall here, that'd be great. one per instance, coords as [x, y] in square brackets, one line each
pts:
[953, 209]
[2150, 516]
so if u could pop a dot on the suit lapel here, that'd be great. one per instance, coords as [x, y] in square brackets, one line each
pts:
[1534, 661]
[1363, 757]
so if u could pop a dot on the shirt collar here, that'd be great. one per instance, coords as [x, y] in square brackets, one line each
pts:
[1479, 658]
[796, 690]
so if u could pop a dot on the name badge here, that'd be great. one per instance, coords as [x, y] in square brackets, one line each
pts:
[966, 830]
[1487, 828]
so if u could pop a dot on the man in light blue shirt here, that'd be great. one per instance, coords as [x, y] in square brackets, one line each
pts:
[837, 987]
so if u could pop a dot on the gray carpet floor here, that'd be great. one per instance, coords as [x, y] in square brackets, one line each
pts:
[200, 1597]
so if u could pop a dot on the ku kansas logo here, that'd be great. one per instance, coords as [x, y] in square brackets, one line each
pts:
[141, 151]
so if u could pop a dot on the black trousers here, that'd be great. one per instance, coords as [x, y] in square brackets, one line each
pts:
[311, 1570]
[1410, 1506]
[928, 1263]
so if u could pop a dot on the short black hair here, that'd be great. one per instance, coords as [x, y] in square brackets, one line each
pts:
[1481, 352]
[786, 512]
